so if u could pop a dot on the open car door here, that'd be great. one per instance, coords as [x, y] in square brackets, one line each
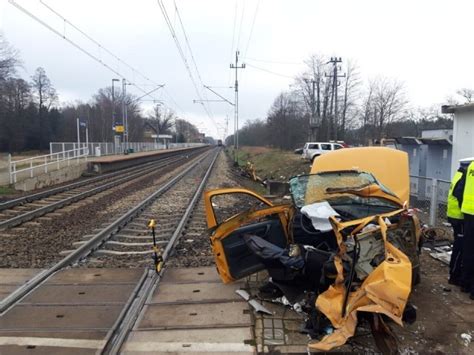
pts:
[255, 216]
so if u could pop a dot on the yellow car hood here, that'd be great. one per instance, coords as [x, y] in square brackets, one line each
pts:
[389, 166]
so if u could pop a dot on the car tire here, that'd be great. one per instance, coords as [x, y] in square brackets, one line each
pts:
[415, 276]
[314, 157]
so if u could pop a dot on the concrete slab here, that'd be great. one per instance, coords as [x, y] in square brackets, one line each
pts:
[191, 275]
[44, 350]
[53, 342]
[96, 276]
[6, 290]
[217, 341]
[80, 294]
[57, 333]
[195, 292]
[210, 315]
[17, 276]
[60, 317]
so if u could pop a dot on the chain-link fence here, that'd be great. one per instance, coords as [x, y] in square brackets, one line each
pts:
[430, 197]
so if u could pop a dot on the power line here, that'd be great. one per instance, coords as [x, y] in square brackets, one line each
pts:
[272, 61]
[240, 26]
[97, 43]
[63, 36]
[270, 72]
[233, 36]
[182, 55]
[251, 28]
[191, 53]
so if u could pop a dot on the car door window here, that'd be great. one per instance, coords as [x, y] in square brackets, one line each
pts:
[313, 146]
[227, 205]
[325, 146]
[337, 146]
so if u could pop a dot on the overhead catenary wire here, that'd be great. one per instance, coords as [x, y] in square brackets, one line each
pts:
[74, 44]
[192, 55]
[240, 26]
[66, 21]
[233, 37]
[270, 72]
[251, 29]
[272, 61]
[182, 55]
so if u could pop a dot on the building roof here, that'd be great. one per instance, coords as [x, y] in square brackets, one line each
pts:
[408, 140]
[457, 108]
[435, 141]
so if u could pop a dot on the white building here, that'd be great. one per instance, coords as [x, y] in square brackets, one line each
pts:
[463, 132]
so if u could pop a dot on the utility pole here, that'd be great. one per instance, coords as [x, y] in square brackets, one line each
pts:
[236, 102]
[78, 136]
[116, 136]
[124, 114]
[335, 61]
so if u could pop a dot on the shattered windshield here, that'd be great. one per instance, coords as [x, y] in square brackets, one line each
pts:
[328, 186]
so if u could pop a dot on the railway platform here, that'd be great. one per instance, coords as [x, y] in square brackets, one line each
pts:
[101, 165]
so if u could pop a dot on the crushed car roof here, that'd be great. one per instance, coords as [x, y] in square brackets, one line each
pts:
[389, 166]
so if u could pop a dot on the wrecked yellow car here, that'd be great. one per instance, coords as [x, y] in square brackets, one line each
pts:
[347, 239]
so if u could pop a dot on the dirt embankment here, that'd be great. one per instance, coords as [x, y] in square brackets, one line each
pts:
[273, 164]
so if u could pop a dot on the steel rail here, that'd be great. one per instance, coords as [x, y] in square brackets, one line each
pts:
[94, 243]
[27, 216]
[124, 325]
[39, 195]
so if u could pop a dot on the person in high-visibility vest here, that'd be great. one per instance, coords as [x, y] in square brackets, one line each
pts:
[456, 218]
[466, 184]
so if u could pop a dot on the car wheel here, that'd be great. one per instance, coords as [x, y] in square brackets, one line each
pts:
[314, 157]
[415, 275]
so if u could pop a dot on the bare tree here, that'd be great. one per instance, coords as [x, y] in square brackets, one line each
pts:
[467, 94]
[9, 59]
[287, 122]
[386, 104]
[185, 131]
[350, 96]
[317, 101]
[161, 120]
[46, 96]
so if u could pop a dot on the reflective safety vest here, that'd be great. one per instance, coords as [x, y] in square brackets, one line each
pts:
[454, 211]
[468, 196]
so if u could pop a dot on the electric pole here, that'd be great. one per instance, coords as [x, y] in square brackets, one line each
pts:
[124, 114]
[236, 102]
[335, 61]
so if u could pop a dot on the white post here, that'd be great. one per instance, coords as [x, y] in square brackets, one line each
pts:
[78, 134]
[433, 202]
[87, 140]
[14, 172]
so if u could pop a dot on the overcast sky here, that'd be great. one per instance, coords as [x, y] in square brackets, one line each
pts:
[425, 44]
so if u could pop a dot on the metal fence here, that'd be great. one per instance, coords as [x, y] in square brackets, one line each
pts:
[430, 196]
[41, 164]
[101, 148]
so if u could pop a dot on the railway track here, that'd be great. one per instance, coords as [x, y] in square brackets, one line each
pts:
[41, 313]
[15, 212]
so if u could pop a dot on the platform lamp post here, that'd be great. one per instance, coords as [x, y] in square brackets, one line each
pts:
[116, 136]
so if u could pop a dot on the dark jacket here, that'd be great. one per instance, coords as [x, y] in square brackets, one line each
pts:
[458, 190]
